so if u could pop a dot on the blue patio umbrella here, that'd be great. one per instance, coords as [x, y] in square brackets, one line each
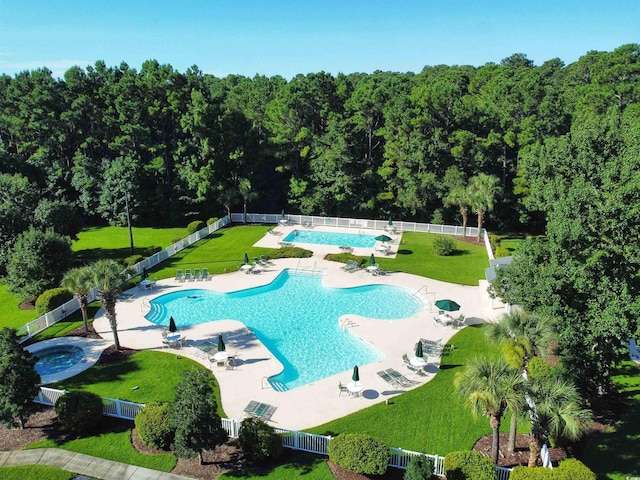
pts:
[372, 260]
[221, 346]
[356, 374]
[172, 325]
[419, 351]
[246, 258]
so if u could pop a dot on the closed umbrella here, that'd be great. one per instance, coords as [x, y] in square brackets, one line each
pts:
[448, 305]
[372, 260]
[356, 374]
[419, 352]
[390, 221]
[246, 258]
[172, 325]
[282, 213]
[221, 346]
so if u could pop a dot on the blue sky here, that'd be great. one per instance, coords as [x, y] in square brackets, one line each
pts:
[278, 37]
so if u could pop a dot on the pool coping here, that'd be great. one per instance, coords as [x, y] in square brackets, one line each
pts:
[92, 348]
[316, 403]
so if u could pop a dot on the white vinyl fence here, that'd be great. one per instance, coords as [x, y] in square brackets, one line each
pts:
[36, 326]
[293, 439]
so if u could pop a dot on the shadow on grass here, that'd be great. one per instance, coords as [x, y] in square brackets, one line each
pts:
[110, 372]
[299, 464]
[404, 251]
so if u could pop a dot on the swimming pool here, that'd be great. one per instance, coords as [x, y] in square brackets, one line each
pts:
[296, 318]
[55, 359]
[331, 238]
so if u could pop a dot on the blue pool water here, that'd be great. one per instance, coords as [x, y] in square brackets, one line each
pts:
[296, 318]
[331, 238]
[55, 359]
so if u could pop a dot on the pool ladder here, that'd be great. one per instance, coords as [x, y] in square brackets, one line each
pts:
[345, 323]
[277, 386]
[145, 306]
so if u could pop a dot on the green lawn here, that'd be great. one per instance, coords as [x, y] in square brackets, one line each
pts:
[114, 443]
[431, 418]
[298, 465]
[615, 454]
[153, 373]
[39, 472]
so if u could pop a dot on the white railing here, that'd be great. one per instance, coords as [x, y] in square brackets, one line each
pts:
[39, 324]
[293, 439]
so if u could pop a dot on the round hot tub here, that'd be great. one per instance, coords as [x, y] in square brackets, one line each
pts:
[55, 359]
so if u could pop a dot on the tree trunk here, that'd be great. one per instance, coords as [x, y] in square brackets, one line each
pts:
[513, 432]
[83, 309]
[495, 442]
[114, 329]
[534, 451]
[480, 217]
[200, 457]
[245, 212]
[465, 215]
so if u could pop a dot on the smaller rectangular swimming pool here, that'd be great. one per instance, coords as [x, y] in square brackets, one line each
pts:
[331, 238]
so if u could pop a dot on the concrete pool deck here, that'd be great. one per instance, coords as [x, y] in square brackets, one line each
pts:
[318, 402]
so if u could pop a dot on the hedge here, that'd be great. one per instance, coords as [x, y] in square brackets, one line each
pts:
[469, 465]
[359, 453]
[52, 299]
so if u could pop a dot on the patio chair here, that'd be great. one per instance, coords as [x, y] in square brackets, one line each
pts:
[342, 389]
[398, 377]
[179, 275]
[165, 342]
[416, 370]
[405, 359]
[230, 364]
[196, 274]
[388, 379]
[187, 275]
[264, 260]
[205, 274]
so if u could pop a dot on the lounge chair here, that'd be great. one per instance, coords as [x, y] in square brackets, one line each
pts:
[416, 370]
[342, 389]
[388, 379]
[196, 274]
[187, 276]
[205, 274]
[398, 377]
[264, 260]
[179, 275]
[261, 410]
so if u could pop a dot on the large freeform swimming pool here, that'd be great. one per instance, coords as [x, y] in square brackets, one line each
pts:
[296, 318]
[331, 238]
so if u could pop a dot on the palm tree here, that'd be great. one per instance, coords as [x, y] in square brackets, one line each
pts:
[490, 387]
[459, 195]
[79, 282]
[526, 336]
[244, 187]
[483, 189]
[108, 277]
[556, 410]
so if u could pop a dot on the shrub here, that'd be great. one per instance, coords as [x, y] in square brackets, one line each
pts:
[151, 251]
[573, 469]
[259, 441]
[522, 472]
[79, 412]
[444, 245]
[495, 241]
[359, 453]
[419, 468]
[152, 424]
[212, 220]
[176, 240]
[131, 260]
[538, 368]
[290, 252]
[51, 299]
[501, 252]
[194, 226]
[469, 465]
[437, 218]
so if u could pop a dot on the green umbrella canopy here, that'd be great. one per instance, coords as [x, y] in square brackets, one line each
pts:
[383, 238]
[372, 259]
[356, 374]
[448, 305]
[246, 258]
[172, 325]
[419, 351]
[282, 213]
[221, 346]
[390, 221]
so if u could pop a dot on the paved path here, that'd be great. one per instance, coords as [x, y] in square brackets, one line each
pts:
[83, 464]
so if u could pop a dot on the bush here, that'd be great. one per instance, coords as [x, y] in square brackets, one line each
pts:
[51, 299]
[495, 241]
[177, 240]
[538, 368]
[469, 465]
[212, 220]
[259, 441]
[419, 468]
[131, 260]
[151, 251]
[522, 472]
[152, 424]
[444, 245]
[573, 469]
[501, 252]
[290, 252]
[194, 226]
[79, 412]
[359, 453]
[437, 218]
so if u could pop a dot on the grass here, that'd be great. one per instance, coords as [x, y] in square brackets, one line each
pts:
[41, 472]
[298, 465]
[114, 443]
[10, 314]
[431, 418]
[154, 373]
[614, 454]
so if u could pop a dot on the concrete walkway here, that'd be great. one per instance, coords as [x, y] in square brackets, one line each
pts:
[83, 464]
